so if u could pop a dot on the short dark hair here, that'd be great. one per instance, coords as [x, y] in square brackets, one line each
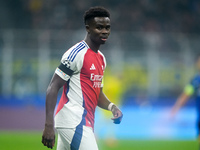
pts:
[97, 11]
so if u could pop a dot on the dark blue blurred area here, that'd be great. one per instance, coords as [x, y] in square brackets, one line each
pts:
[31, 100]
[140, 121]
[39, 101]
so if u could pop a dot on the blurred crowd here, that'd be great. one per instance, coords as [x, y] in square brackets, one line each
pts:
[135, 15]
[162, 60]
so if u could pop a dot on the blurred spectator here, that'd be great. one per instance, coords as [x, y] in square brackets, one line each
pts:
[144, 15]
[192, 89]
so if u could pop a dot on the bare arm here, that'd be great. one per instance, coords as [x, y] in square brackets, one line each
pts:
[48, 138]
[104, 102]
[183, 98]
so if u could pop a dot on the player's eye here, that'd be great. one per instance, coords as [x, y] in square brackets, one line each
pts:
[99, 27]
[107, 27]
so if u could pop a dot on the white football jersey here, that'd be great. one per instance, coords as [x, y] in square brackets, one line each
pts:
[82, 69]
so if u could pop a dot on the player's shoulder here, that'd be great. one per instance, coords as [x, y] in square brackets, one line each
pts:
[78, 47]
[196, 80]
[75, 51]
[196, 77]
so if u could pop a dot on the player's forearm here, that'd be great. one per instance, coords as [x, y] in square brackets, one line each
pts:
[51, 99]
[180, 102]
[106, 104]
[103, 101]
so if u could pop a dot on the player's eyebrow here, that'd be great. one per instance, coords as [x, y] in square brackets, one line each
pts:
[102, 25]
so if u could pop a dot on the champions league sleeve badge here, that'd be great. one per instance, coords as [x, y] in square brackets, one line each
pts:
[67, 63]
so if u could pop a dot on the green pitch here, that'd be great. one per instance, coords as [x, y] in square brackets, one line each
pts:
[32, 141]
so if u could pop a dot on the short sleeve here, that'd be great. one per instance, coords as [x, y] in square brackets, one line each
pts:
[71, 61]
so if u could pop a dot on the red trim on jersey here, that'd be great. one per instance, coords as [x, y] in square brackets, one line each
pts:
[64, 99]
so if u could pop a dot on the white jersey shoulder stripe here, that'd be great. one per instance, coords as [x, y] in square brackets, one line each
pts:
[72, 59]
[85, 44]
[74, 51]
[77, 49]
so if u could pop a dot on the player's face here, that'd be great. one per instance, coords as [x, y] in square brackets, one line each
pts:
[99, 30]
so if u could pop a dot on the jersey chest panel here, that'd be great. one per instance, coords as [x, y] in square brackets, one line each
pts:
[92, 70]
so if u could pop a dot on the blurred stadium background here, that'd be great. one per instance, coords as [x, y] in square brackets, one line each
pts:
[150, 57]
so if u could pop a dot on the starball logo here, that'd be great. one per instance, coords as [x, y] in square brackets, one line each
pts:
[67, 63]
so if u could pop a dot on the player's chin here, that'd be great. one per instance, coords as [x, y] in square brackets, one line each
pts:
[103, 41]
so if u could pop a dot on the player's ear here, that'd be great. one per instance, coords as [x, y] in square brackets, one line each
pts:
[87, 28]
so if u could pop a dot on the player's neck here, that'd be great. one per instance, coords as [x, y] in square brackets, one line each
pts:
[93, 46]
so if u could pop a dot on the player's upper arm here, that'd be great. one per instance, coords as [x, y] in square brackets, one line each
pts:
[66, 67]
[63, 71]
[57, 82]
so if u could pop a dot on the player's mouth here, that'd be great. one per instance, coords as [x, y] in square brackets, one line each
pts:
[104, 38]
